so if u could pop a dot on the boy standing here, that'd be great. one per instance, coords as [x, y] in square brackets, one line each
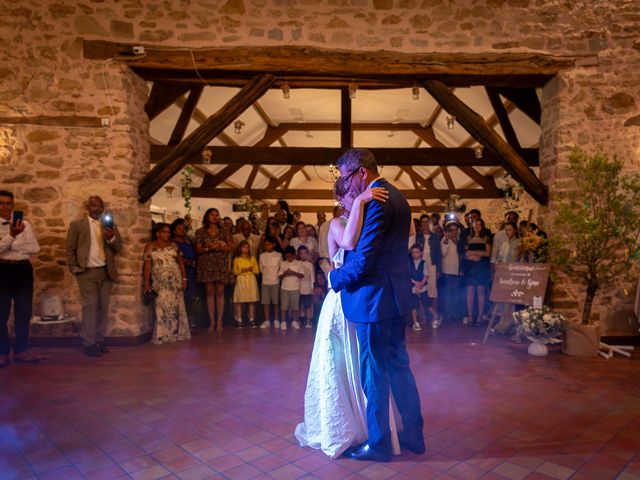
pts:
[419, 280]
[270, 261]
[290, 273]
[306, 285]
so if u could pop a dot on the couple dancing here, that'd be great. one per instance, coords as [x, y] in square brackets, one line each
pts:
[370, 298]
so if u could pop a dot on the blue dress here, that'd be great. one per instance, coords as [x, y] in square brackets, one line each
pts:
[189, 258]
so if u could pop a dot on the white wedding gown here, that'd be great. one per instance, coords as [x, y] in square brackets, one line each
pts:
[334, 403]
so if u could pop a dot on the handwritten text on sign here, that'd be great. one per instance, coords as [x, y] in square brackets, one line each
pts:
[519, 282]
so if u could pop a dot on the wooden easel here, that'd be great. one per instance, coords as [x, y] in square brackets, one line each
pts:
[509, 307]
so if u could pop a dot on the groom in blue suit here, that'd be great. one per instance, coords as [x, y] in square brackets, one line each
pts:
[376, 296]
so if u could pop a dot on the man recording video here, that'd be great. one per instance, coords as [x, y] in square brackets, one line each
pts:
[92, 244]
[17, 243]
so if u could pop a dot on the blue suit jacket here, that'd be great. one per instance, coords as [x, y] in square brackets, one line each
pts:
[375, 277]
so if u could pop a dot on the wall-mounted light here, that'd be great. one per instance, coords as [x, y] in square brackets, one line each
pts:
[309, 135]
[415, 92]
[451, 121]
[237, 126]
[353, 88]
[206, 156]
[286, 91]
[391, 134]
[169, 190]
[477, 151]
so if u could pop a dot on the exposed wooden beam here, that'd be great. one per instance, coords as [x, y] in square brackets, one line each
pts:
[526, 100]
[198, 139]
[417, 179]
[265, 118]
[295, 61]
[492, 121]
[161, 97]
[305, 174]
[285, 177]
[503, 117]
[428, 136]
[185, 115]
[252, 176]
[398, 175]
[476, 176]
[327, 194]
[477, 127]
[266, 173]
[328, 156]
[447, 178]
[271, 135]
[212, 181]
[491, 173]
[423, 203]
[346, 131]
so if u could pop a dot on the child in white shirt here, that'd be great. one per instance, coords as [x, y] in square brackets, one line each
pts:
[270, 261]
[290, 274]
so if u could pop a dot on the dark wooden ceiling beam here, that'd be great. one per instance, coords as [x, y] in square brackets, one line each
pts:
[503, 117]
[447, 178]
[428, 136]
[252, 176]
[482, 180]
[198, 139]
[327, 156]
[477, 127]
[161, 97]
[266, 119]
[293, 61]
[185, 115]
[285, 177]
[327, 194]
[346, 130]
[526, 100]
[212, 181]
[491, 121]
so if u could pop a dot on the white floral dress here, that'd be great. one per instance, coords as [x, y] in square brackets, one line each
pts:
[172, 323]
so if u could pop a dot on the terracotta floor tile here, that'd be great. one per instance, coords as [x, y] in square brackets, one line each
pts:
[199, 410]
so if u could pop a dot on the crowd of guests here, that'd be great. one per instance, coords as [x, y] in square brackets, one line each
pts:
[226, 269]
[452, 266]
[280, 263]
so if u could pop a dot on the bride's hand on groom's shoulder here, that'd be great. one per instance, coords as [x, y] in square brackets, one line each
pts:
[375, 193]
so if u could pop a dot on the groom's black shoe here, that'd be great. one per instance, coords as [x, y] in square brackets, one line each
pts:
[365, 452]
[415, 445]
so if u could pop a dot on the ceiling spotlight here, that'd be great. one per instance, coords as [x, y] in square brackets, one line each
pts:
[353, 88]
[391, 134]
[415, 92]
[477, 150]
[286, 91]
[237, 126]
[309, 135]
[451, 121]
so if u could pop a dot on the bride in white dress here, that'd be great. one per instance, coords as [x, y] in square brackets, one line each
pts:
[334, 403]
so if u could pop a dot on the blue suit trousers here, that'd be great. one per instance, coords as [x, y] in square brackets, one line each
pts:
[384, 366]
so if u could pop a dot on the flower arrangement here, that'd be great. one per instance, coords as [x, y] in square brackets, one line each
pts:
[533, 245]
[539, 324]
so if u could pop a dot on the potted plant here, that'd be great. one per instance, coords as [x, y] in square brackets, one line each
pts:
[596, 234]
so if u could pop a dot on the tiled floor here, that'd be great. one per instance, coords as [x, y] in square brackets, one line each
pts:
[226, 407]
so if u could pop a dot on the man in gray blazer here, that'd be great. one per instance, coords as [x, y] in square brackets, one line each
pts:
[92, 244]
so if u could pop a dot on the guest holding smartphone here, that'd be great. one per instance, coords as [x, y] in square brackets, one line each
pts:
[92, 244]
[17, 243]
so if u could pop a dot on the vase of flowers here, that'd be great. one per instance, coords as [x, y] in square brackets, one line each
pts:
[541, 326]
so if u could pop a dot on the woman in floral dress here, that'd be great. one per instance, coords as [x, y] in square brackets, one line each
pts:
[164, 272]
[213, 246]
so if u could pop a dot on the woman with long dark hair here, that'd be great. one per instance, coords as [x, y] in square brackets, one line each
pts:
[213, 246]
[477, 270]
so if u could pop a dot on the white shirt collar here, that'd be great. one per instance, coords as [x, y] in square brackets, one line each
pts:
[373, 181]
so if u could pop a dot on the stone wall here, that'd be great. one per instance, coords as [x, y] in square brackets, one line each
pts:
[43, 73]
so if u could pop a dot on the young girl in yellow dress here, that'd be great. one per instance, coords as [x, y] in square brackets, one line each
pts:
[245, 268]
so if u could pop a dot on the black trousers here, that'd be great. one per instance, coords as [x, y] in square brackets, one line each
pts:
[16, 285]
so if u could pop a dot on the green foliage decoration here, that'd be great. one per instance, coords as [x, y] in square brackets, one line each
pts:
[596, 234]
[187, 182]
